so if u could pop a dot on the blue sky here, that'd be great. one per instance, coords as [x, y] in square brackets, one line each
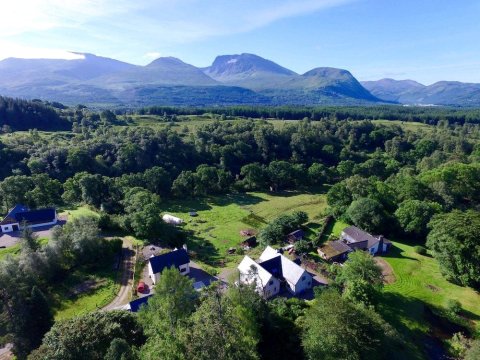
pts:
[424, 40]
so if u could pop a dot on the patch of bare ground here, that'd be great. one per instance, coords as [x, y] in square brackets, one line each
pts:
[387, 271]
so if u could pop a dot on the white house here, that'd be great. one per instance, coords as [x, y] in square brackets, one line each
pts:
[252, 273]
[21, 214]
[356, 238]
[176, 258]
[170, 219]
[272, 269]
[297, 279]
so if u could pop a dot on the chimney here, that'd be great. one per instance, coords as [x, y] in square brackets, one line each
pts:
[185, 247]
[380, 245]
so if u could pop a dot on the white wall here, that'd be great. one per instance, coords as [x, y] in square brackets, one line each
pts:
[374, 249]
[272, 288]
[156, 277]
[8, 228]
[184, 269]
[304, 283]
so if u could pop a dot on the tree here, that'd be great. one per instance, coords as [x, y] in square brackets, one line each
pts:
[414, 215]
[254, 176]
[29, 239]
[473, 353]
[89, 336]
[361, 278]
[184, 184]
[119, 349]
[317, 174]
[454, 242]
[302, 247]
[165, 316]
[40, 317]
[13, 190]
[339, 198]
[219, 330]
[281, 174]
[367, 214]
[331, 317]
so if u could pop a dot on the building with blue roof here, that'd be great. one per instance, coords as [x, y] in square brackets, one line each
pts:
[136, 304]
[21, 214]
[177, 258]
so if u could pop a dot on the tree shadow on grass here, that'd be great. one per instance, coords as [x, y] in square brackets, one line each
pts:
[396, 252]
[204, 250]
[205, 203]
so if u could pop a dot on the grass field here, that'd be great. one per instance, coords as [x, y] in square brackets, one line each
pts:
[79, 212]
[406, 125]
[83, 292]
[220, 219]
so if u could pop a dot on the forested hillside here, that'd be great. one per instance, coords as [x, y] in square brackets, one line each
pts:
[417, 185]
[16, 114]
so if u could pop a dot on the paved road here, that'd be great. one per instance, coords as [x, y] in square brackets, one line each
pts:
[128, 260]
[5, 353]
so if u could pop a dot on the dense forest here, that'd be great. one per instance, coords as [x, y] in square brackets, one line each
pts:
[420, 185]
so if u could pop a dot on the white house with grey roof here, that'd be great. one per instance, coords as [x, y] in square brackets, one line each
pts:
[271, 271]
[356, 238]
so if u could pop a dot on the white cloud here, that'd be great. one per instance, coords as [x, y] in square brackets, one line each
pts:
[152, 55]
[126, 25]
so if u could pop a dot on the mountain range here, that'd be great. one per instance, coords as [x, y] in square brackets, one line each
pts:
[230, 80]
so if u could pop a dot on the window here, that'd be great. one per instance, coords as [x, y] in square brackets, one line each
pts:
[270, 282]
[183, 270]
[303, 278]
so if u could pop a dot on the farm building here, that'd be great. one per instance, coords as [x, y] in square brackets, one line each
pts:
[334, 251]
[272, 270]
[177, 258]
[173, 220]
[295, 236]
[249, 243]
[356, 238]
[21, 214]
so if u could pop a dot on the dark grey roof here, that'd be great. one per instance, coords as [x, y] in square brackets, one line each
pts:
[137, 303]
[358, 235]
[334, 248]
[298, 234]
[21, 213]
[36, 216]
[273, 266]
[174, 258]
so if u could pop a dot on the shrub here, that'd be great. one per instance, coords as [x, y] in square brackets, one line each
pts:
[420, 250]
[454, 307]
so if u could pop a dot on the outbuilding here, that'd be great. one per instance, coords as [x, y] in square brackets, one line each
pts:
[173, 220]
[21, 214]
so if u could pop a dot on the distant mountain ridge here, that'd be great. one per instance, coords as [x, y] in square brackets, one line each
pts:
[231, 79]
[446, 93]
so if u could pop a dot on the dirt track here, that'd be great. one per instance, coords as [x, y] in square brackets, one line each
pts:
[387, 271]
[123, 296]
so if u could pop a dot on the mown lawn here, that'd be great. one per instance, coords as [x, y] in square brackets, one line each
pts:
[220, 219]
[15, 249]
[419, 277]
[12, 250]
[420, 285]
